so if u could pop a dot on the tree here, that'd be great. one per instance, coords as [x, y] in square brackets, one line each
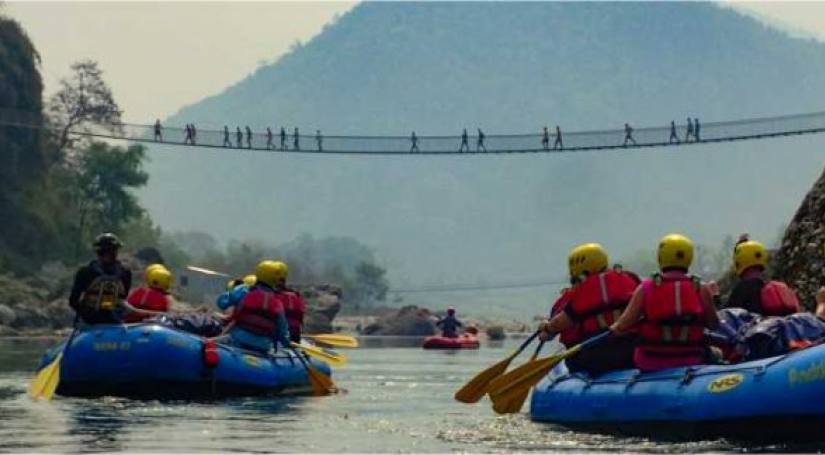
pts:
[370, 283]
[83, 101]
[105, 177]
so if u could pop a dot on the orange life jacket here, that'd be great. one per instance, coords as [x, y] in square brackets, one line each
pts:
[778, 299]
[568, 336]
[258, 311]
[673, 312]
[599, 300]
[294, 307]
[146, 298]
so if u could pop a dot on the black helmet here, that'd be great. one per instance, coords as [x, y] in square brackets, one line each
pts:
[107, 241]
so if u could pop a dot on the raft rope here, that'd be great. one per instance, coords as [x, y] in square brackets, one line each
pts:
[728, 131]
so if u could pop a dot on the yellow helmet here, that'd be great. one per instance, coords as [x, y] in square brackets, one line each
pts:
[748, 254]
[159, 278]
[271, 272]
[675, 251]
[587, 258]
[149, 270]
[250, 280]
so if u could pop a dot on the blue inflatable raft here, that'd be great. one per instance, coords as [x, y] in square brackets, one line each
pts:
[778, 398]
[150, 361]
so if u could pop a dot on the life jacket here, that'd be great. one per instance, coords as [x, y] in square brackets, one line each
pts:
[778, 299]
[568, 336]
[672, 331]
[146, 298]
[294, 308]
[105, 292]
[598, 301]
[258, 311]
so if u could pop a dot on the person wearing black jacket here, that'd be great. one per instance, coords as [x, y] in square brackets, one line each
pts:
[101, 286]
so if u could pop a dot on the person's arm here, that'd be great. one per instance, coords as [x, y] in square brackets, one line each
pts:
[81, 282]
[820, 303]
[557, 324]
[126, 278]
[631, 314]
[282, 330]
[458, 323]
[439, 323]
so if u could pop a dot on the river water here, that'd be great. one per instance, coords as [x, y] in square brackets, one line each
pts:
[397, 398]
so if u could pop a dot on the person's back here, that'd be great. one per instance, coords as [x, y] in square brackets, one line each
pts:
[152, 297]
[295, 309]
[258, 320]
[449, 324]
[754, 292]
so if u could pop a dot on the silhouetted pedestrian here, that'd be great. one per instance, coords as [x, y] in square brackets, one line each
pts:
[248, 137]
[295, 144]
[188, 138]
[238, 137]
[689, 131]
[269, 144]
[558, 144]
[696, 130]
[545, 139]
[194, 134]
[673, 136]
[283, 138]
[465, 146]
[414, 141]
[320, 140]
[226, 142]
[628, 135]
[480, 142]
[158, 131]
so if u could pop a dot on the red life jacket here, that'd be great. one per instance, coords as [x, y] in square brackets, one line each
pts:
[294, 307]
[778, 299]
[599, 300]
[672, 331]
[569, 336]
[258, 311]
[146, 298]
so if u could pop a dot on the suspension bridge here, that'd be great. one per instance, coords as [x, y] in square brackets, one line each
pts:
[238, 138]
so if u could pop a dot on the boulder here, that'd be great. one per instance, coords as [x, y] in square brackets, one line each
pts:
[496, 332]
[406, 321]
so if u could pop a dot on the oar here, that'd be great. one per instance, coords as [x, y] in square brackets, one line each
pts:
[321, 383]
[514, 405]
[511, 386]
[46, 380]
[332, 358]
[477, 386]
[340, 341]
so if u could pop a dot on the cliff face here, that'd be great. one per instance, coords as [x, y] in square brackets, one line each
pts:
[800, 260]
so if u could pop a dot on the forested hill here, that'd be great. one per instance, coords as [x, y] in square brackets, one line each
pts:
[390, 68]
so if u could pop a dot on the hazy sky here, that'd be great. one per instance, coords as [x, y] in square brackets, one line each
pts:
[160, 56]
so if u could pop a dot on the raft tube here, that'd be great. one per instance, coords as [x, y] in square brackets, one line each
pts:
[149, 361]
[464, 341]
[775, 399]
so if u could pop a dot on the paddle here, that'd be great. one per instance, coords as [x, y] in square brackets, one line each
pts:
[509, 387]
[514, 405]
[332, 358]
[477, 386]
[45, 382]
[340, 341]
[321, 383]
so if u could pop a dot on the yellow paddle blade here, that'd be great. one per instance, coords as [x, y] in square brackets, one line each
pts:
[331, 358]
[477, 386]
[514, 384]
[515, 404]
[339, 341]
[321, 383]
[46, 380]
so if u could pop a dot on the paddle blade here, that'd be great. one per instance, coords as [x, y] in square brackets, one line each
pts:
[321, 383]
[506, 390]
[45, 382]
[512, 405]
[331, 358]
[339, 341]
[477, 386]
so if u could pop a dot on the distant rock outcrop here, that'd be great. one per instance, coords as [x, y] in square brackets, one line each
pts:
[800, 260]
[323, 304]
[407, 321]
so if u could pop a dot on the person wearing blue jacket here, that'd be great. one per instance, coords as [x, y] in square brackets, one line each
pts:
[235, 292]
[449, 324]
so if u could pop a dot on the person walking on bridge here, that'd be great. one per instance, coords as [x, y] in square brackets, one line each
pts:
[188, 134]
[696, 130]
[295, 138]
[248, 137]
[320, 140]
[465, 146]
[545, 139]
[226, 142]
[628, 135]
[689, 131]
[238, 137]
[480, 142]
[414, 141]
[283, 138]
[558, 144]
[194, 134]
[269, 145]
[673, 136]
[158, 131]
